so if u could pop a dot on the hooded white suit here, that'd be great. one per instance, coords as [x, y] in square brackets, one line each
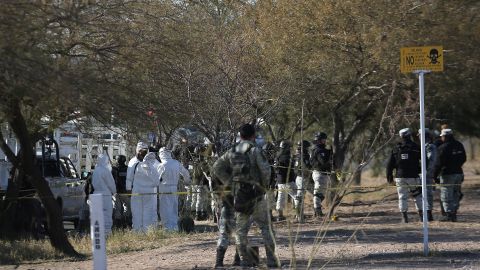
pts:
[131, 165]
[103, 183]
[170, 171]
[144, 207]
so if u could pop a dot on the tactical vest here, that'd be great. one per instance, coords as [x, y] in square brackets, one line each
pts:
[321, 159]
[407, 157]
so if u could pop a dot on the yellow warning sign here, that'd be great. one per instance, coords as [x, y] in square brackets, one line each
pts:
[421, 58]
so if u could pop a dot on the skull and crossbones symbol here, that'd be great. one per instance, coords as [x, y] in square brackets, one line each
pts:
[434, 56]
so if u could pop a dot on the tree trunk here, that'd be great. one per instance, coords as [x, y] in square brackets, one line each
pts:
[58, 238]
[7, 209]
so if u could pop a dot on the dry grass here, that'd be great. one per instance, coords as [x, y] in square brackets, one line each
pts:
[28, 250]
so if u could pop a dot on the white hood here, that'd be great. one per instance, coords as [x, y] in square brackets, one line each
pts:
[164, 154]
[150, 158]
[104, 161]
[141, 145]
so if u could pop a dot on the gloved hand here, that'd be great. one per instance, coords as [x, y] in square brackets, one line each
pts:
[436, 180]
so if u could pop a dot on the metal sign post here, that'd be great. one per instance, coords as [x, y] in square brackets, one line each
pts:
[97, 232]
[421, 60]
[421, 91]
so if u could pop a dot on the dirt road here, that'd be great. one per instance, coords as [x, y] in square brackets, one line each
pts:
[364, 237]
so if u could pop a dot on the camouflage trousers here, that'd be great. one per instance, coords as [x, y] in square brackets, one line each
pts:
[450, 191]
[321, 184]
[406, 187]
[226, 222]
[200, 198]
[429, 191]
[285, 190]
[261, 217]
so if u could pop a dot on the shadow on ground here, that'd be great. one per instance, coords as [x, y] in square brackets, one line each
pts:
[400, 260]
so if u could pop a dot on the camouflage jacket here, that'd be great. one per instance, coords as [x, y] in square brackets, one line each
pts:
[223, 169]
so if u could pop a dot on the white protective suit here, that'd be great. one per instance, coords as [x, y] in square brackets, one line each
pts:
[131, 165]
[144, 207]
[103, 183]
[170, 171]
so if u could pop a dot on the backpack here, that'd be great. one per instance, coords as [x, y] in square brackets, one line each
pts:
[246, 189]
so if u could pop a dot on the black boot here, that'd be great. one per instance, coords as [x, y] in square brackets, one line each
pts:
[405, 217]
[453, 217]
[280, 217]
[220, 255]
[430, 215]
[420, 214]
[448, 217]
[272, 259]
[318, 212]
[236, 259]
[245, 260]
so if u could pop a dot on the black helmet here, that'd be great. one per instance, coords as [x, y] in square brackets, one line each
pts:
[320, 136]
[284, 144]
[303, 144]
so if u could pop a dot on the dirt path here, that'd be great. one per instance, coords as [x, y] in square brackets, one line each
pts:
[355, 241]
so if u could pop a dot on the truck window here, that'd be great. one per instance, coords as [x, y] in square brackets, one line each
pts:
[50, 168]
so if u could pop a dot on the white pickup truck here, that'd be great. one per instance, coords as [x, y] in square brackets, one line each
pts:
[63, 180]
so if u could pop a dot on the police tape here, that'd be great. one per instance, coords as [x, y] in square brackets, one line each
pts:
[339, 174]
[222, 192]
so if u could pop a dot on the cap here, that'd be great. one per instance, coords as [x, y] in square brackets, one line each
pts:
[141, 145]
[446, 132]
[320, 136]
[405, 132]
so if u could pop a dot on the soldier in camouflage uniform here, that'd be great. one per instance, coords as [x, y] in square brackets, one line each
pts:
[449, 173]
[257, 172]
[200, 184]
[302, 167]
[321, 162]
[405, 161]
[269, 152]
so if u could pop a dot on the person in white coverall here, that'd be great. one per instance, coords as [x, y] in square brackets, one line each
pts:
[142, 149]
[144, 203]
[103, 183]
[170, 171]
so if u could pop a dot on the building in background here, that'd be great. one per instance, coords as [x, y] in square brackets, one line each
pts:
[83, 147]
